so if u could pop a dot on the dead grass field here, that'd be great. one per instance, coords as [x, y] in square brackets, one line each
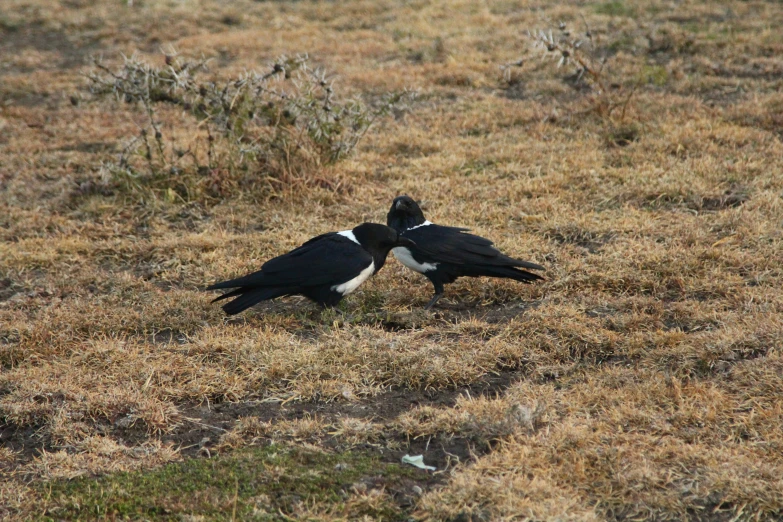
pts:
[642, 381]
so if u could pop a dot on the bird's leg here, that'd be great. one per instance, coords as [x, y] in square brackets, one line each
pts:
[341, 309]
[333, 312]
[438, 294]
[433, 300]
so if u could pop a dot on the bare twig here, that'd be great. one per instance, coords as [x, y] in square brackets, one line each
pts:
[580, 50]
[288, 121]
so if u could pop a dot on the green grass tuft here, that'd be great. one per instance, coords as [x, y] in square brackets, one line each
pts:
[261, 484]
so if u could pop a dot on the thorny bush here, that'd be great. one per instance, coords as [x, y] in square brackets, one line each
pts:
[609, 93]
[264, 130]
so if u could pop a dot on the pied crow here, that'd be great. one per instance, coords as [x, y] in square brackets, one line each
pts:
[443, 254]
[324, 269]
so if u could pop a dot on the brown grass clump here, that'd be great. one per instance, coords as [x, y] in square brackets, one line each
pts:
[642, 380]
[100, 455]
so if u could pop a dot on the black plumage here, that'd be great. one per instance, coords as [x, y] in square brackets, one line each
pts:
[324, 269]
[443, 254]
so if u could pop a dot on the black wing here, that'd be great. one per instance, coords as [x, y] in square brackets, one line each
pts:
[439, 244]
[323, 260]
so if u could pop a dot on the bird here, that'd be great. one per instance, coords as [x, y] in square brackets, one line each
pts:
[443, 253]
[324, 269]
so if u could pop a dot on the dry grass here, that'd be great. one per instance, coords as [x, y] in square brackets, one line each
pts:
[647, 369]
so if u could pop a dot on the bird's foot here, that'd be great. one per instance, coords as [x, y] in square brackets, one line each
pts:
[433, 301]
[335, 315]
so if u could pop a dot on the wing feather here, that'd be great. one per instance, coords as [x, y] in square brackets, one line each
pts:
[326, 259]
[440, 244]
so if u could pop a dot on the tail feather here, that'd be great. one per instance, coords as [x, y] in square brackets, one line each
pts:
[238, 291]
[254, 279]
[232, 283]
[508, 272]
[248, 297]
[526, 264]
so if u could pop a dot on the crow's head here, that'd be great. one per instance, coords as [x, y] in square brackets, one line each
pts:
[404, 214]
[378, 240]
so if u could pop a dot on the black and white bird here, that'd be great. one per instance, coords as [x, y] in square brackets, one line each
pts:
[443, 254]
[325, 269]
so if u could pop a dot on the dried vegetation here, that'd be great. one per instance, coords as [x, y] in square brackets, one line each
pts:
[642, 380]
[261, 132]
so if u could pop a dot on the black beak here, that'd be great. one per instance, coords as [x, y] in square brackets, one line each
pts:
[405, 242]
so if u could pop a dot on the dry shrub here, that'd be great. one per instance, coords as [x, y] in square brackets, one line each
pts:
[264, 130]
[608, 90]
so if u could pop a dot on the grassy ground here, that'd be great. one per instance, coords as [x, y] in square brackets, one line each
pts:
[642, 380]
[258, 484]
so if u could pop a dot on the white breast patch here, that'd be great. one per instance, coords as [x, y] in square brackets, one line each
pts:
[405, 257]
[349, 286]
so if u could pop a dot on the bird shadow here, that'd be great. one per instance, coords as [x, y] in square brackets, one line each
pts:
[308, 321]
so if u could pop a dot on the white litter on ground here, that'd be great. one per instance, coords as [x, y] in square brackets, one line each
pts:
[418, 461]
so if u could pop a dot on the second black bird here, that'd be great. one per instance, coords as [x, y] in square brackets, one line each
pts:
[324, 269]
[443, 254]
